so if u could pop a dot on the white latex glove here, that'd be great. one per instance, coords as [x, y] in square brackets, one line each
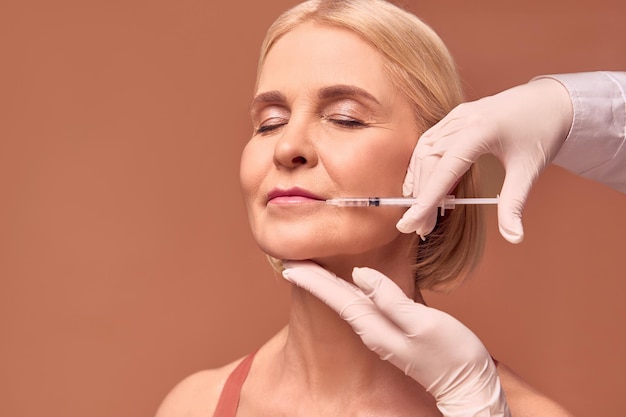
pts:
[523, 127]
[430, 346]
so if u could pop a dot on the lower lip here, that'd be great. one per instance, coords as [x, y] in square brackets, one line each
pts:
[293, 199]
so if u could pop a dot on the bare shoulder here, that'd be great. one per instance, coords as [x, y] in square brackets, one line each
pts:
[526, 401]
[196, 395]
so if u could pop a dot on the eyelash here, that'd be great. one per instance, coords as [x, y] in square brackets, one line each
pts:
[341, 122]
[267, 128]
[347, 123]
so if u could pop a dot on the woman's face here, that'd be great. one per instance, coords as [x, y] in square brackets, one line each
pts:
[328, 123]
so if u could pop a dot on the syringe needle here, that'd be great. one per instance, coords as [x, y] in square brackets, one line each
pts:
[448, 202]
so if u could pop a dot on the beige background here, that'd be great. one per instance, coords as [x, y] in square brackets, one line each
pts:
[125, 257]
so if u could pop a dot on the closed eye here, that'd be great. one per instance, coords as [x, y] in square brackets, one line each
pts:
[346, 122]
[270, 125]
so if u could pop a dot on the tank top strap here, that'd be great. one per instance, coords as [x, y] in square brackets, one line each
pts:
[229, 398]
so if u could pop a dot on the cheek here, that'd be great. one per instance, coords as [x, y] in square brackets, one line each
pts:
[250, 177]
[251, 171]
[376, 169]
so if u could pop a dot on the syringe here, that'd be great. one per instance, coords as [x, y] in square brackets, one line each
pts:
[448, 202]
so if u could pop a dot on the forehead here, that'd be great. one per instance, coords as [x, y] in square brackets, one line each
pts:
[315, 55]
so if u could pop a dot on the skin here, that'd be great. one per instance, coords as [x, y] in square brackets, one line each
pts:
[344, 134]
[316, 130]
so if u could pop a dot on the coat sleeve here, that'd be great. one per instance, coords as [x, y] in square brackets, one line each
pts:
[595, 147]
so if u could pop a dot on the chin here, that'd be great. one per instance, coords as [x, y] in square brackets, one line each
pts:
[293, 240]
[316, 240]
[297, 249]
[295, 252]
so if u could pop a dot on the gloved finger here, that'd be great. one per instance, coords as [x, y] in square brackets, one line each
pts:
[517, 184]
[333, 291]
[422, 216]
[425, 160]
[418, 219]
[346, 299]
[392, 301]
[412, 318]
[411, 173]
[432, 333]
[424, 149]
[376, 330]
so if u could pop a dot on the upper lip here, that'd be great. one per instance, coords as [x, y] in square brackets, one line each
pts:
[292, 192]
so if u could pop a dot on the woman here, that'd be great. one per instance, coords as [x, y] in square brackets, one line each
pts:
[344, 90]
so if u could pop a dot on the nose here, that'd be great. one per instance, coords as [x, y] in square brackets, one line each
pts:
[295, 146]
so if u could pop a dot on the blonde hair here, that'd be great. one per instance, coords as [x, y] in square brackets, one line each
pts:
[420, 66]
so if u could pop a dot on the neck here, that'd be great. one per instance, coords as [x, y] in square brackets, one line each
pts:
[323, 348]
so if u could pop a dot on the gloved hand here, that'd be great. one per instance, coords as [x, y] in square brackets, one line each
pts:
[430, 346]
[523, 127]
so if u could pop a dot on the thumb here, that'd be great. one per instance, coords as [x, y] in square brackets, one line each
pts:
[332, 290]
[513, 196]
[390, 299]
[347, 300]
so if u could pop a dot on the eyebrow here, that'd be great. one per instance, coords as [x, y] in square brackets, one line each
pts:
[344, 90]
[268, 97]
[326, 93]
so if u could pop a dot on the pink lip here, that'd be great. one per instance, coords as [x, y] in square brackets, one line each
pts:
[292, 195]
